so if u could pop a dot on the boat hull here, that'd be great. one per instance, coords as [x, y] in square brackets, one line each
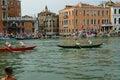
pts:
[3, 49]
[81, 46]
[76, 47]
[17, 49]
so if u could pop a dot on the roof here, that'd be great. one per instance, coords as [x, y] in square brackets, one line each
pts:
[81, 5]
[46, 11]
[117, 4]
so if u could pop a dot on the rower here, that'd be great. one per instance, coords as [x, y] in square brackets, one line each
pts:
[7, 44]
[21, 44]
[77, 43]
[90, 42]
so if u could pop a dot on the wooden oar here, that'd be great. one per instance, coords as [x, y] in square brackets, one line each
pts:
[10, 50]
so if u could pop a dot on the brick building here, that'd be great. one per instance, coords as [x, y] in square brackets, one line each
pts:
[11, 20]
[82, 16]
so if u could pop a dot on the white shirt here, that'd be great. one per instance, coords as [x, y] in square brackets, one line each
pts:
[90, 42]
[21, 43]
[6, 43]
[77, 43]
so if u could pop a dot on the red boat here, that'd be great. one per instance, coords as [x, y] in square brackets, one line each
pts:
[17, 49]
[4, 49]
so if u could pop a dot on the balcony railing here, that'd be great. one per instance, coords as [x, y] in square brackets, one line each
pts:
[18, 19]
[65, 16]
[4, 6]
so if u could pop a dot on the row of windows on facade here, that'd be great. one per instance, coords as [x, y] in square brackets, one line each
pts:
[17, 24]
[4, 14]
[88, 22]
[5, 3]
[116, 21]
[87, 12]
[116, 11]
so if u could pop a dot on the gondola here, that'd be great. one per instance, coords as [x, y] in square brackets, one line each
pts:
[73, 46]
[81, 46]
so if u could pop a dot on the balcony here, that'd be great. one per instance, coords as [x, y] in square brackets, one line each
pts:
[65, 16]
[18, 19]
[4, 6]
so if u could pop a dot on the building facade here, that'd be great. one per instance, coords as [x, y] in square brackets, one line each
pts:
[114, 13]
[11, 20]
[82, 16]
[115, 16]
[48, 22]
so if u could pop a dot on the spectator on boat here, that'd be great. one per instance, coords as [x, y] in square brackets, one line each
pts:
[21, 44]
[8, 74]
[7, 44]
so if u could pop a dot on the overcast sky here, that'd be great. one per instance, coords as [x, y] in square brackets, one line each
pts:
[33, 7]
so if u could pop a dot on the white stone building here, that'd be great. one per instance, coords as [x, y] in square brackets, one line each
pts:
[115, 16]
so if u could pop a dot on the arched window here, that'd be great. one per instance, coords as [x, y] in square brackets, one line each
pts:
[3, 2]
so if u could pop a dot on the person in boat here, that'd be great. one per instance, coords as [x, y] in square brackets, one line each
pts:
[76, 42]
[7, 44]
[8, 74]
[21, 44]
[89, 41]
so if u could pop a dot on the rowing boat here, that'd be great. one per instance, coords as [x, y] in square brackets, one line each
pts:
[18, 49]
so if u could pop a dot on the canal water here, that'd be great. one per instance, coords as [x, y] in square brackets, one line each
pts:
[49, 62]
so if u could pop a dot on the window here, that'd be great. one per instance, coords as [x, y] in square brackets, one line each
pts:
[114, 11]
[69, 22]
[65, 24]
[33, 29]
[84, 13]
[102, 12]
[119, 11]
[76, 22]
[98, 13]
[94, 21]
[4, 15]
[91, 21]
[94, 12]
[88, 22]
[76, 12]
[98, 21]
[72, 22]
[32, 23]
[114, 20]
[73, 13]
[84, 21]
[107, 12]
[3, 2]
[119, 20]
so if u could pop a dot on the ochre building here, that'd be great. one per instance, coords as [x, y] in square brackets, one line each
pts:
[82, 16]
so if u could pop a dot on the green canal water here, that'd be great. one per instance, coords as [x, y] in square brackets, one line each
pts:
[49, 62]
